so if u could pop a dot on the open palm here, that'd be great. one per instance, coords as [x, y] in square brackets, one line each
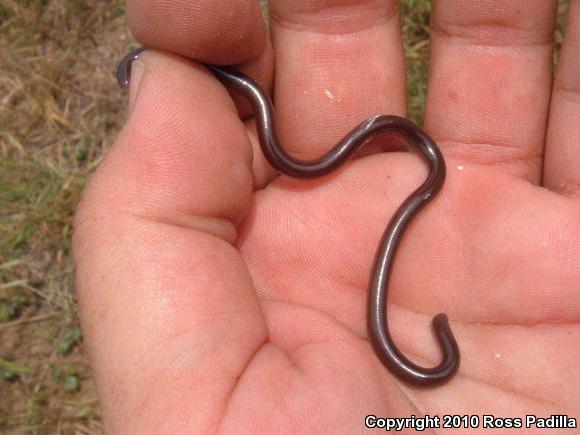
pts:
[217, 296]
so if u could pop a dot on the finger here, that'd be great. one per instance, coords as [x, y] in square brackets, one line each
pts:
[337, 64]
[562, 159]
[190, 28]
[224, 32]
[490, 80]
[160, 286]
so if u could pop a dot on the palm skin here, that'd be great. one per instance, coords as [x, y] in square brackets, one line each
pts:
[217, 296]
[494, 254]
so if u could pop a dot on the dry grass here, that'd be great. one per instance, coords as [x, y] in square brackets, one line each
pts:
[59, 109]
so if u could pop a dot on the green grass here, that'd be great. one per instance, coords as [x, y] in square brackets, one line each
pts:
[415, 23]
[59, 110]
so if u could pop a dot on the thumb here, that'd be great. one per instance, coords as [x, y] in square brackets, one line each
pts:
[166, 303]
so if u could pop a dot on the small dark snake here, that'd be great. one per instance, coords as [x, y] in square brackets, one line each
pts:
[379, 335]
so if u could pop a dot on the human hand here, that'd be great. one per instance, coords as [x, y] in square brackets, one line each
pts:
[217, 296]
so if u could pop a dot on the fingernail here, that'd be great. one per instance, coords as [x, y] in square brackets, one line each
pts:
[137, 70]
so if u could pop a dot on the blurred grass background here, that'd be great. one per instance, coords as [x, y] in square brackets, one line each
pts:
[59, 109]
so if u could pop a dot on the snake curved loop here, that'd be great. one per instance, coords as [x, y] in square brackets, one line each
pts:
[379, 334]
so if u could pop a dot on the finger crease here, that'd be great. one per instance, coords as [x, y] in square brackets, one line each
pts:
[568, 91]
[487, 35]
[331, 22]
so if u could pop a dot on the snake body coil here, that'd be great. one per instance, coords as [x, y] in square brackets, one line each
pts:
[379, 335]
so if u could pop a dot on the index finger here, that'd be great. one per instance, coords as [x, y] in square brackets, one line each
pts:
[190, 28]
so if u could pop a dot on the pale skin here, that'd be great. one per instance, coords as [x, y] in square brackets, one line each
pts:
[217, 296]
